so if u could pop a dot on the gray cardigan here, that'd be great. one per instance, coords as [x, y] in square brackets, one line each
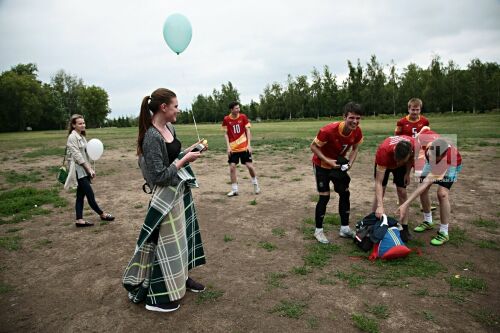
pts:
[159, 170]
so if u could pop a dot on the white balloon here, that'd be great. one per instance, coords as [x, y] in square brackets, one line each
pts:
[95, 149]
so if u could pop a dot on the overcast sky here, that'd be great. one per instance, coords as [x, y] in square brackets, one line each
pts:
[119, 46]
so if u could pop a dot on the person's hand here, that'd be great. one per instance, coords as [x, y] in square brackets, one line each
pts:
[229, 152]
[249, 148]
[91, 173]
[407, 179]
[191, 156]
[379, 212]
[402, 211]
[332, 163]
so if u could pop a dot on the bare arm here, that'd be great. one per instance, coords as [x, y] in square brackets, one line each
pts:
[353, 154]
[316, 150]
[379, 192]
[249, 138]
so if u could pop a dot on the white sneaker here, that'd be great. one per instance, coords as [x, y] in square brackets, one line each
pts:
[320, 236]
[232, 193]
[347, 234]
[169, 307]
[256, 188]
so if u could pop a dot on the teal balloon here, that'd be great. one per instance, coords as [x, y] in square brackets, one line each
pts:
[177, 32]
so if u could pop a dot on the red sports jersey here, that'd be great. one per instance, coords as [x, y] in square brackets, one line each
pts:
[236, 131]
[333, 143]
[384, 156]
[405, 126]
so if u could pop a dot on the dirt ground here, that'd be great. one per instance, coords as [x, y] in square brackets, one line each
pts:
[69, 280]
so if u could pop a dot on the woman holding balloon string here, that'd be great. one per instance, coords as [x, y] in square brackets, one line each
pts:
[81, 172]
[169, 243]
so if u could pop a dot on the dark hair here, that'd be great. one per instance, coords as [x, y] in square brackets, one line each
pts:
[438, 147]
[403, 150]
[151, 104]
[354, 108]
[233, 104]
[72, 121]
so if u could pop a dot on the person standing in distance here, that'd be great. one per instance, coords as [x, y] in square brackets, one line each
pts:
[237, 134]
[411, 124]
[330, 146]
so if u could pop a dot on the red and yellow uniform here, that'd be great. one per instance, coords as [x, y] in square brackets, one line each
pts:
[333, 143]
[425, 137]
[408, 127]
[384, 157]
[236, 132]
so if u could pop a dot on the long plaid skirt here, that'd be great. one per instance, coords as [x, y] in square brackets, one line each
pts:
[169, 245]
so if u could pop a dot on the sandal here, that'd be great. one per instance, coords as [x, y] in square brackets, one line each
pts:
[85, 224]
[107, 217]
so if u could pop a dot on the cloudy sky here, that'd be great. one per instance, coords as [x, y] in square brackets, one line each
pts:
[119, 46]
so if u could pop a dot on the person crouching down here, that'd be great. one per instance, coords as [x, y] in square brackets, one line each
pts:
[442, 166]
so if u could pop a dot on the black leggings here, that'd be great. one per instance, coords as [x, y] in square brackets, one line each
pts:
[85, 190]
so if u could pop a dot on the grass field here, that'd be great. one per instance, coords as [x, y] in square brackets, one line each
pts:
[265, 272]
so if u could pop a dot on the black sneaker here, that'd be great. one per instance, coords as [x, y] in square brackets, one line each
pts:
[167, 307]
[194, 286]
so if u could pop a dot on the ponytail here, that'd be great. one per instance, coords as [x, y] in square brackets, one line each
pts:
[151, 104]
[145, 121]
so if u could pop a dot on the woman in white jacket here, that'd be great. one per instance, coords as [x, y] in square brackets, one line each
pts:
[81, 172]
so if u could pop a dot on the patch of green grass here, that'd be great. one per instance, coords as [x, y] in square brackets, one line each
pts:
[301, 270]
[11, 230]
[290, 309]
[428, 315]
[379, 311]
[280, 232]
[138, 206]
[274, 280]
[11, 243]
[488, 244]
[458, 237]
[253, 202]
[45, 151]
[312, 322]
[364, 323]
[411, 266]
[209, 295]
[267, 246]
[325, 280]
[296, 179]
[416, 243]
[320, 254]
[228, 238]
[13, 177]
[288, 168]
[467, 283]
[421, 292]
[485, 223]
[486, 317]
[5, 288]
[332, 219]
[457, 298]
[353, 279]
[26, 201]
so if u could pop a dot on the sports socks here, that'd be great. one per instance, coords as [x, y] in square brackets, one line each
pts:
[443, 228]
[234, 187]
[344, 207]
[428, 217]
[254, 181]
[321, 210]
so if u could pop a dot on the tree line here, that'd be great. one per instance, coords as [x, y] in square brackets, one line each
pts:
[380, 90]
[27, 103]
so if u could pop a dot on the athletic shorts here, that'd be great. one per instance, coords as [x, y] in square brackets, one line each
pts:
[398, 175]
[340, 179]
[244, 156]
[449, 178]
